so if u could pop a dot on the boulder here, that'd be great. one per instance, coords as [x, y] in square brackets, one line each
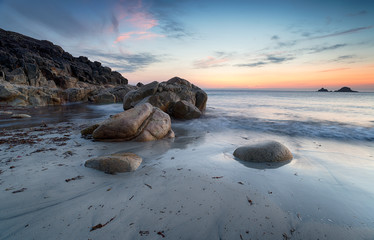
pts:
[185, 110]
[87, 132]
[271, 151]
[165, 95]
[115, 163]
[20, 116]
[141, 123]
[105, 97]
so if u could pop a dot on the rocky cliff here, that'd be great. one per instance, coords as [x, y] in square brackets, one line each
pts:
[37, 72]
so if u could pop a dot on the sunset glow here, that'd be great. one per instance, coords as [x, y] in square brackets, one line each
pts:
[272, 44]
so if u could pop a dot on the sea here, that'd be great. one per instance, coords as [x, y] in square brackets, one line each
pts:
[330, 115]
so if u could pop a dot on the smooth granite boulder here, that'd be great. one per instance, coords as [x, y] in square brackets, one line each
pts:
[271, 151]
[141, 123]
[115, 163]
[185, 110]
[191, 99]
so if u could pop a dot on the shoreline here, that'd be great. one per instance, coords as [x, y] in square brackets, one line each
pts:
[189, 187]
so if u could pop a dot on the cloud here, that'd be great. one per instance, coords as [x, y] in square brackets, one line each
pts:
[334, 70]
[360, 13]
[322, 49]
[115, 23]
[345, 58]
[275, 37]
[168, 13]
[124, 62]
[270, 59]
[209, 62]
[135, 16]
[274, 59]
[50, 14]
[349, 31]
[139, 35]
[308, 36]
[173, 29]
[218, 60]
[255, 64]
[287, 43]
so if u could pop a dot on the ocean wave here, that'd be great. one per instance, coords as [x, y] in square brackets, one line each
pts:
[319, 129]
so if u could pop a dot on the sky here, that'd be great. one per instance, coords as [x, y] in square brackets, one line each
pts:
[255, 44]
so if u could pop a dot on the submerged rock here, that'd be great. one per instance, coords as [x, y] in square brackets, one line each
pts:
[264, 152]
[115, 163]
[142, 123]
[177, 97]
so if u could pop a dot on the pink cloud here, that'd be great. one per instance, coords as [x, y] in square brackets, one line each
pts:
[137, 35]
[210, 62]
[142, 20]
[134, 16]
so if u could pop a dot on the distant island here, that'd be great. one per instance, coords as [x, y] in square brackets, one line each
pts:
[343, 89]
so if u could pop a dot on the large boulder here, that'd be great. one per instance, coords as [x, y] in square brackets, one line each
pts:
[184, 110]
[115, 163]
[141, 123]
[271, 151]
[177, 97]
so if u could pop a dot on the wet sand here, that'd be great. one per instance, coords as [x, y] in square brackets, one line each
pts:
[187, 188]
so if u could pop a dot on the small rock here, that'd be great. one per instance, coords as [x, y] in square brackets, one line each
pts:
[87, 132]
[264, 152]
[5, 113]
[117, 162]
[20, 116]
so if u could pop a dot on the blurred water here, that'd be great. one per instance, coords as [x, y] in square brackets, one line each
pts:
[310, 114]
[341, 116]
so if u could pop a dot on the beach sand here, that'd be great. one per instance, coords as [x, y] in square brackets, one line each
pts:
[190, 187]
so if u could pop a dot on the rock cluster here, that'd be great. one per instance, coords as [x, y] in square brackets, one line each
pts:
[177, 97]
[142, 123]
[271, 151]
[37, 72]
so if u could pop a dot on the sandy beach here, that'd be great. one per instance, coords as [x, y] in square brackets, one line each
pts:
[190, 187]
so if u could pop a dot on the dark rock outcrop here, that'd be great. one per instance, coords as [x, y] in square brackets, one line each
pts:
[177, 97]
[345, 89]
[323, 90]
[37, 72]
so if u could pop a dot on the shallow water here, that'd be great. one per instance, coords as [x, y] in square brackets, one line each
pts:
[341, 116]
